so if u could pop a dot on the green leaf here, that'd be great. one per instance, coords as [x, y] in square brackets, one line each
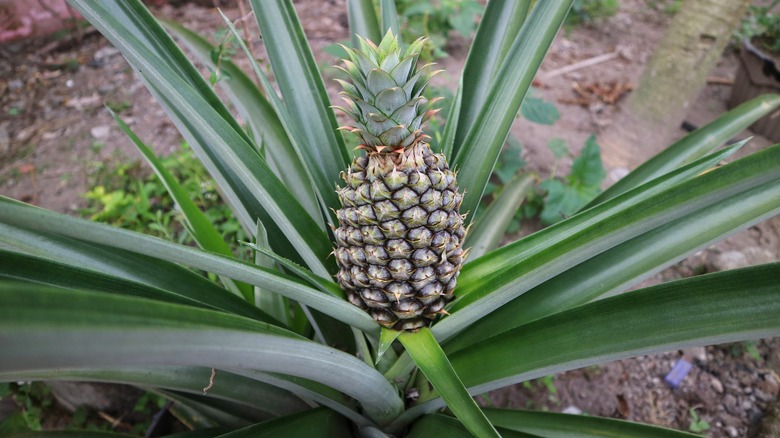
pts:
[227, 386]
[587, 170]
[312, 423]
[539, 111]
[487, 232]
[389, 18]
[261, 117]
[386, 339]
[428, 355]
[625, 265]
[265, 299]
[555, 425]
[558, 147]
[239, 165]
[201, 229]
[46, 328]
[363, 21]
[481, 145]
[443, 425]
[565, 198]
[22, 267]
[310, 118]
[73, 256]
[716, 308]
[696, 144]
[40, 220]
[69, 434]
[500, 24]
[516, 268]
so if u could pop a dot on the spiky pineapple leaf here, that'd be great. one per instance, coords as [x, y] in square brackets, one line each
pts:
[314, 423]
[259, 114]
[200, 228]
[363, 21]
[556, 425]
[617, 269]
[46, 329]
[500, 23]
[311, 120]
[481, 145]
[728, 306]
[226, 152]
[69, 257]
[43, 221]
[186, 379]
[759, 172]
[695, 145]
[428, 355]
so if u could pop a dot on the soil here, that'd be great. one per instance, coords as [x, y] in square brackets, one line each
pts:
[54, 133]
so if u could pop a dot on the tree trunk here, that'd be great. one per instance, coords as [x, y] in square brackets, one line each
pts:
[673, 78]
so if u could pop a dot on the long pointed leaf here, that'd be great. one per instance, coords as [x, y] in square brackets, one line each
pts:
[45, 329]
[308, 108]
[443, 425]
[22, 267]
[38, 219]
[389, 18]
[555, 425]
[627, 264]
[246, 172]
[760, 171]
[259, 114]
[313, 423]
[479, 150]
[694, 145]
[73, 255]
[500, 24]
[432, 361]
[491, 226]
[201, 229]
[363, 21]
[227, 386]
[716, 308]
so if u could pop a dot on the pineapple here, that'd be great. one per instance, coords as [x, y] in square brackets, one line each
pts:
[398, 244]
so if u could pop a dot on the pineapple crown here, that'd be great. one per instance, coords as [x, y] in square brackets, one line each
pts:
[385, 97]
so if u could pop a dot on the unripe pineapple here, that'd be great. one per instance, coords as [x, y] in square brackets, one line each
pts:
[400, 231]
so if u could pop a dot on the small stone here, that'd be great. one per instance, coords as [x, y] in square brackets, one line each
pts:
[574, 410]
[717, 386]
[15, 84]
[732, 431]
[746, 404]
[698, 353]
[105, 53]
[763, 396]
[100, 131]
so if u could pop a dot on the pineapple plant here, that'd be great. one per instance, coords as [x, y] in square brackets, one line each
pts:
[284, 350]
[400, 235]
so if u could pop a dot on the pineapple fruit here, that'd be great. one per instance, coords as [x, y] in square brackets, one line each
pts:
[400, 235]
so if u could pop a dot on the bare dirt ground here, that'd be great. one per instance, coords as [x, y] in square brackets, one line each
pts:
[54, 131]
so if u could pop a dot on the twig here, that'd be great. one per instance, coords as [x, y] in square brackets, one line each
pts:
[581, 64]
[244, 16]
[720, 81]
[211, 380]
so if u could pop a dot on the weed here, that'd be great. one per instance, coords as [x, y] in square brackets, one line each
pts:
[124, 195]
[698, 424]
[434, 20]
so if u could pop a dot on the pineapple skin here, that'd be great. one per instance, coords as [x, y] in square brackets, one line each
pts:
[400, 235]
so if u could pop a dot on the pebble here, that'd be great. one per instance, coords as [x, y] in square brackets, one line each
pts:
[732, 431]
[100, 131]
[717, 386]
[574, 410]
[15, 84]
